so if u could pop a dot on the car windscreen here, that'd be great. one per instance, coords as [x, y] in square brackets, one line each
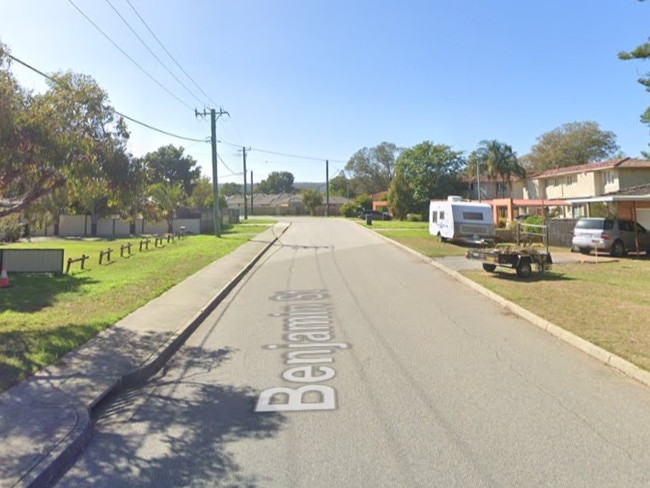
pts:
[596, 224]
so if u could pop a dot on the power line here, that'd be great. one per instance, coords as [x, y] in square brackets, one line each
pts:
[44, 75]
[127, 56]
[266, 151]
[170, 55]
[152, 53]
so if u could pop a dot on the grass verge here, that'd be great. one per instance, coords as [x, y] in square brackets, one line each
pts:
[44, 316]
[605, 303]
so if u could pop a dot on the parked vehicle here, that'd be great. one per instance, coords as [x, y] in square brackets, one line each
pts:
[609, 235]
[374, 215]
[455, 219]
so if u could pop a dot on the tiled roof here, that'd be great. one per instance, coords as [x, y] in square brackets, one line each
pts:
[589, 167]
[637, 190]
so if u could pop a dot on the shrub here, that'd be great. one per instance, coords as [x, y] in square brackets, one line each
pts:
[10, 229]
[413, 217]
[349, 209]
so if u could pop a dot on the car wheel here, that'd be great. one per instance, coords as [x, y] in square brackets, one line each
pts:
[524, 270]
[618, 249]
[489, 267]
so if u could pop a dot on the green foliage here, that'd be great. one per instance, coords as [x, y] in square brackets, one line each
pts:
[400, 197]
[364, 201]
[641, 52]
[10, 229]
[349, 209]
[168, 164]
[414, 217]
[229, 189]
[571, 144]
[496, 160]
[202, 195]
[312, 199]
[276, 182]
[372, 169]
[431, 171]
[341, 186]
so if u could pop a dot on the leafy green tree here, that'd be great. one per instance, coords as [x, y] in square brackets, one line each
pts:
[168, 197]
[312, 199]
[202, 195]
[495, 159]
[571, 144]
[168, 164]
[372, 169]
[341, 186]
[400, 197]
[230, 188]
[432, 171]
[276, 182]
[641, 52]
[33, 156]
[364, 201]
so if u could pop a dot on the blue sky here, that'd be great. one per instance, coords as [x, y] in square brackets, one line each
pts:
[321, 79]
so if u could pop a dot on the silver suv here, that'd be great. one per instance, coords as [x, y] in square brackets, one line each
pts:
[612, 235]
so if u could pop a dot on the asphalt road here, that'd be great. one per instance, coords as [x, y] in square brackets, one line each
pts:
[343, 360]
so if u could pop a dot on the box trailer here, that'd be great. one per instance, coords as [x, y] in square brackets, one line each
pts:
[455, 219]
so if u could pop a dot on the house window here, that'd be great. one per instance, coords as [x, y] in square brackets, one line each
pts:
[571, 179]
[610, 178]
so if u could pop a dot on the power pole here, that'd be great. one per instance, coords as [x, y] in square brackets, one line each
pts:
[216, 214]
[252, 192]
[245, 206]
[327, 188]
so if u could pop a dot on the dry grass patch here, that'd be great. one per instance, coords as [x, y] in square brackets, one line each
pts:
[606, 304]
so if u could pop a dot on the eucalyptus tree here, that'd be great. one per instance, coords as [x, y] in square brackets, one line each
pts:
[372, 169]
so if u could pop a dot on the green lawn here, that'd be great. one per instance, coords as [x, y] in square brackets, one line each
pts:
[605, 303]
[44, 316]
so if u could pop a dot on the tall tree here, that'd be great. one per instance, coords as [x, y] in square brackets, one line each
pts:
[496, 159]
[33, 158]
[430, 171]
[400, 197]
[167, 164]
[373, 168]
[276, 182]
[202, 196]
[641, 52]
[230, 189]
[571, 144]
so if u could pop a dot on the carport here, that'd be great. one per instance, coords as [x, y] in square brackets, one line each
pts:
[629, 203]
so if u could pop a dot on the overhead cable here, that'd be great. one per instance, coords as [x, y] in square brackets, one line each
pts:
[127, 56]
[170, 55]
[152, 53]
[35, 70]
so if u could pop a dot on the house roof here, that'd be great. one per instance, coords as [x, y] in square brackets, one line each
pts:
[629, 163]
[638, 193]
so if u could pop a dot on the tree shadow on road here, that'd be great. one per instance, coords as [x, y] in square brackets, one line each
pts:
[176, 430]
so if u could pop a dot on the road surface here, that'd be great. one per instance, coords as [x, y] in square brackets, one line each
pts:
[343, 360]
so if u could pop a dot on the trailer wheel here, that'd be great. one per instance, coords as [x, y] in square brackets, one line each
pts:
[524, 270]
[489, 267]
[440, 238]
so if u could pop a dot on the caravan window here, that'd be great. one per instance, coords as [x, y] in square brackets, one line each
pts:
[442, 215]
[472, 216]
[434, 217]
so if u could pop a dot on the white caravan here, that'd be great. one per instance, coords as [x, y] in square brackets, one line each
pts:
[457, 220]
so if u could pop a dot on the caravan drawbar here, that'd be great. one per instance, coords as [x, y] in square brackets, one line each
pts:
[455, 219]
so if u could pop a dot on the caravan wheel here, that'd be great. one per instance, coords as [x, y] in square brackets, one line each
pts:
[440, 238]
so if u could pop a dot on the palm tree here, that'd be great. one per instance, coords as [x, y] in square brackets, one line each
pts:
[499, 160]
